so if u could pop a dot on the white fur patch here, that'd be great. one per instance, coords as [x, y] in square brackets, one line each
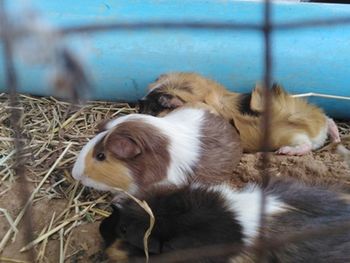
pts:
[103, 187]
[117, 121]
[96, 185]
[183, 129]
[79, 165]
[246, 204]
[315, 142]
[320, 139]
[301, 139]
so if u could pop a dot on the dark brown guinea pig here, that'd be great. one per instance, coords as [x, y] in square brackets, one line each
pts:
[197, 216]
[137, 150]
[185, 217]
[297, 127]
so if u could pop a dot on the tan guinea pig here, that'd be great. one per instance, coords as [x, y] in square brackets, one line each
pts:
[137, 150]
[297, 127]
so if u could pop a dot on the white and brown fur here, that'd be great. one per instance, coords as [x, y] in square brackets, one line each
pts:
[198, 216]
[297, 127]
[137, 150]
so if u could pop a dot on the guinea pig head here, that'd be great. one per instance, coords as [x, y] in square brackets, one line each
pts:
[174, 90]
[130, 155]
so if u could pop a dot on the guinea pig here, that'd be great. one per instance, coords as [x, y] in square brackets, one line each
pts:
[199, 216]
[297, 127]
[137, 150]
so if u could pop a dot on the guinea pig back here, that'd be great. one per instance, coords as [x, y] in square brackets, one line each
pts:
[138, 150]
[198, 216]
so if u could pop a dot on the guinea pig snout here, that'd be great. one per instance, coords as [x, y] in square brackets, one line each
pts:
[77, 171]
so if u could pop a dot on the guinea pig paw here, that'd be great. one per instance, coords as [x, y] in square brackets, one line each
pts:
[294, 150]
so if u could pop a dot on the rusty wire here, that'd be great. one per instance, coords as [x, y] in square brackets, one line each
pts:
[166, 25]
[8, 37]
[265, 143]
[145, 25]
[15, 123]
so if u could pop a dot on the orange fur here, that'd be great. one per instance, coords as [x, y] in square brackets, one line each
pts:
[116, 253]
[203, 90]
[289, 116]
[111, 172]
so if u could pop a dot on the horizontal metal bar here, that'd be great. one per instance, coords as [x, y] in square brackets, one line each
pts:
[145, 25]
[320, 22]
[168, 25]
[320, 95]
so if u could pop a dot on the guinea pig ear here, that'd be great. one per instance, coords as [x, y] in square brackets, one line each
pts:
[170, 101]
[278, 90]
[257, 98]
[122, 147]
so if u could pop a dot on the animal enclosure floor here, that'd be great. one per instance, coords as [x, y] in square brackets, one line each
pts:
[65, 216]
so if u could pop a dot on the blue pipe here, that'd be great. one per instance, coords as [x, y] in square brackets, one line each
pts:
[122, 63]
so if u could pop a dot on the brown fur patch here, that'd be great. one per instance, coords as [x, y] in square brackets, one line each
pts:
[221, 150]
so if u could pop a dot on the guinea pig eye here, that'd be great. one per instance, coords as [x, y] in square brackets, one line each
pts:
[100, 156]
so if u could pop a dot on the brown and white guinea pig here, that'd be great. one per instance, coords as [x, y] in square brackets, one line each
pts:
[297, 127]
[137, 150]
[195, 216]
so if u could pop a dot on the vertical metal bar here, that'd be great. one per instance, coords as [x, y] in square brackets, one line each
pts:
[15, 121]
[266, 123]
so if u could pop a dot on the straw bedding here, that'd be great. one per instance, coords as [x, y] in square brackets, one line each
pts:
[65, 215]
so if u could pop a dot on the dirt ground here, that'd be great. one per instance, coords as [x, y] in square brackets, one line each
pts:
[60, 200]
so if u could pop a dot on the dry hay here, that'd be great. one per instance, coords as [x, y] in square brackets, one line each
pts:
[52, 129]
[65, 215]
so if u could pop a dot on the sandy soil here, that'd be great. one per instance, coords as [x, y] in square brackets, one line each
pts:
[85, 242]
